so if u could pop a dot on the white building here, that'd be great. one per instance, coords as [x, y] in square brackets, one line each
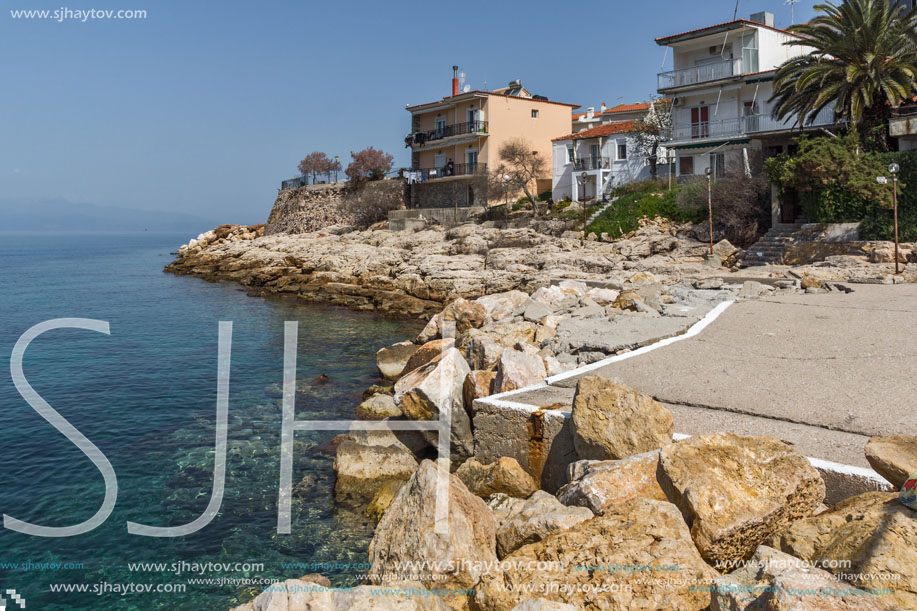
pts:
[720, 85]
[602, 147]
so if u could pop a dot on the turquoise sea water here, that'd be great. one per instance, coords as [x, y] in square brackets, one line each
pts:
[146, 396]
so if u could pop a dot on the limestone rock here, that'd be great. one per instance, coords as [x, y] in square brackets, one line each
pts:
[894, 458]
[435, 388]
[642, 278]
[627, 300]
[383, 499]
[378, 407]
[407, 533]
[543, 605]
[502, 305]
[431, 331]
[391, 360]
[468, 314]
[483, 352]
[611, 421]
[504, 476]
[299, 595]
[518, 369]
[362, 470]
[603, 297]
[640, 532]
[774, 581]
[872, 531]
[608, 483]
[478, 384]
[535, 311]
[735, 492]
[524, 521]
[426, 353]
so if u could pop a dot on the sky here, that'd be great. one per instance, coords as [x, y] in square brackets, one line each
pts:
[204, 107]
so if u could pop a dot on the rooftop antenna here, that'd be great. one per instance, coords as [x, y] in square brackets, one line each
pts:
[792, 5]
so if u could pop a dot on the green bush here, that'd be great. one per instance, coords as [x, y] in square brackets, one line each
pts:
[545, 196]
[562, 204]
[623, 216]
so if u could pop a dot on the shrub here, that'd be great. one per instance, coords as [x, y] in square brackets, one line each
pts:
[565, 203]
[623, 216]
[741, 206]
[545, 196]
[365, 204]
[369, 164]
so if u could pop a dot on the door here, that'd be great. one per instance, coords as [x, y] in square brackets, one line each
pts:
[596, 157]
[471, 161]
[700, 122]
[439, 163]
[789, 206]
[474, 116]
[440, 127]
[750, 114]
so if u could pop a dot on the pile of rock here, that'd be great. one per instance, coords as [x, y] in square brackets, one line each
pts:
[223, 234]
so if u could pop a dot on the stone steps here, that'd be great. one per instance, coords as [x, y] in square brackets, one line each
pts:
[770, 248]
[601, 209]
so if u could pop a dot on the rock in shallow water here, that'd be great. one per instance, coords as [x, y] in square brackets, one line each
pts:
[298, 595]
[391, 360]
[362, 470]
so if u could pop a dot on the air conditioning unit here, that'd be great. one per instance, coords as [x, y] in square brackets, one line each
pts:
[714, 50]
[678, 101]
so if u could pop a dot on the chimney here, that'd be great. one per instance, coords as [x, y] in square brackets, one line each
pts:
[455, 91]
[590, 112]
[603, 108]
[764, 18]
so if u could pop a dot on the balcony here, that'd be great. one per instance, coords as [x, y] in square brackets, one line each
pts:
[458, 169]
[591, 163]
[447, 131]
[697, 75]
[745, 126]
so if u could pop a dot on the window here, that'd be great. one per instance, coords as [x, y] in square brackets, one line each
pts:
[534, 114]
[440, 126]
[570, 157]
[622, 150]
[686, 166]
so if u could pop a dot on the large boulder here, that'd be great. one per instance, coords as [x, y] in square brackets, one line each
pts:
[478, 384]
[456, 555]
[363, 469]
[894, 458]
[483, 352]
[467, 314]
[301, 595]
[735, 491]
[872, 532]
[611, 421]
[604, 484]
[391, 360]
[774, 581]
[504, 476]
[502, 305]
[524, 521]
[378, 407]
[577, 564]
[436, 388]
[426, 353]
[518, 369]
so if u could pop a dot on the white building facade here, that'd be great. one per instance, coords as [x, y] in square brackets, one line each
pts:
[721, 82]
[591, 161]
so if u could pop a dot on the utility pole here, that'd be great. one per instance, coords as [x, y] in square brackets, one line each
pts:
[710, 205]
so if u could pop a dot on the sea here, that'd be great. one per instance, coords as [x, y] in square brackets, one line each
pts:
[145, 395]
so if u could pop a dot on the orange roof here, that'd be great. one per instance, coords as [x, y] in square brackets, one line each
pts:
[479, 93]
[608, 129]
[630, 107]
[579, 115]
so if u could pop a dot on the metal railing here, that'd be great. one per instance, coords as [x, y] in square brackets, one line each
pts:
[591, 163]
[447, 131]
[458, 169]
[699, 74]
[749, 124]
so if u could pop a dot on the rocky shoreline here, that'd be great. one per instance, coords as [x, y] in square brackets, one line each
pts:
[741, 519]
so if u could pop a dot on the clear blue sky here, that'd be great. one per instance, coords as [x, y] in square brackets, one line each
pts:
[206, 107]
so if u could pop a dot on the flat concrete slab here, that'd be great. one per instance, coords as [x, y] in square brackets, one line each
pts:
[823, 371]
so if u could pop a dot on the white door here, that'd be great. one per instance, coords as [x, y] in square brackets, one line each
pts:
[439, 162]
[471, 160]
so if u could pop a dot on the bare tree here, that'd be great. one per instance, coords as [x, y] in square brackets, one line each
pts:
[369, 164]
[652, 131]
[519, 166]
[334, 166]
[314, 164]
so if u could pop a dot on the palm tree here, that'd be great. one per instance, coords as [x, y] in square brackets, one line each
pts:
[863, 60]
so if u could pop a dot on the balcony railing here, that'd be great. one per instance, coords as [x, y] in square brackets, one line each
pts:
[741, 126]
[446, 131]
[699, 74]
[591, 163]
[458, 169]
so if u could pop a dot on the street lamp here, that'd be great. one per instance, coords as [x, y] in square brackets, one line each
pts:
[337, 164]
[893, 169]
[710, 205]
[582, 179]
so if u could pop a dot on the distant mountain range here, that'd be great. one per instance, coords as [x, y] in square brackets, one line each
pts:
[63, 215]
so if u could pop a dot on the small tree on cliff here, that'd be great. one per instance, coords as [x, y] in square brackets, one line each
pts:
[315, 164]
[369, 164]
[334, 165]
[519, 166]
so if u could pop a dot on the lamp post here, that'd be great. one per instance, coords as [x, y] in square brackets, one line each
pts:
[337, 164]
[582, 179]
[506, 191]
[710, 205]
[893, 170]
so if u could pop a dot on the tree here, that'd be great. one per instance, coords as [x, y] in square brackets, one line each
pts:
[314, 164]
[652, 130]
[520, 165]
[369, 164]
[863, 61]
[334, 165]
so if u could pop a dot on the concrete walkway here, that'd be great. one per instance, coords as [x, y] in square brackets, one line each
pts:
[823, 372]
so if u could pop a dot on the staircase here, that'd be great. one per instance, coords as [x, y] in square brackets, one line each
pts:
[600, 210]
[769, 249]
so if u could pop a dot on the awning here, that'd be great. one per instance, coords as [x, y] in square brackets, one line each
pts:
[708, 144]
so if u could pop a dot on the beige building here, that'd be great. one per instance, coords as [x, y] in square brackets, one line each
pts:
[461, 134]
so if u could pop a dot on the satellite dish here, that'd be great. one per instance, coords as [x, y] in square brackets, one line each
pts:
[466, 88]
